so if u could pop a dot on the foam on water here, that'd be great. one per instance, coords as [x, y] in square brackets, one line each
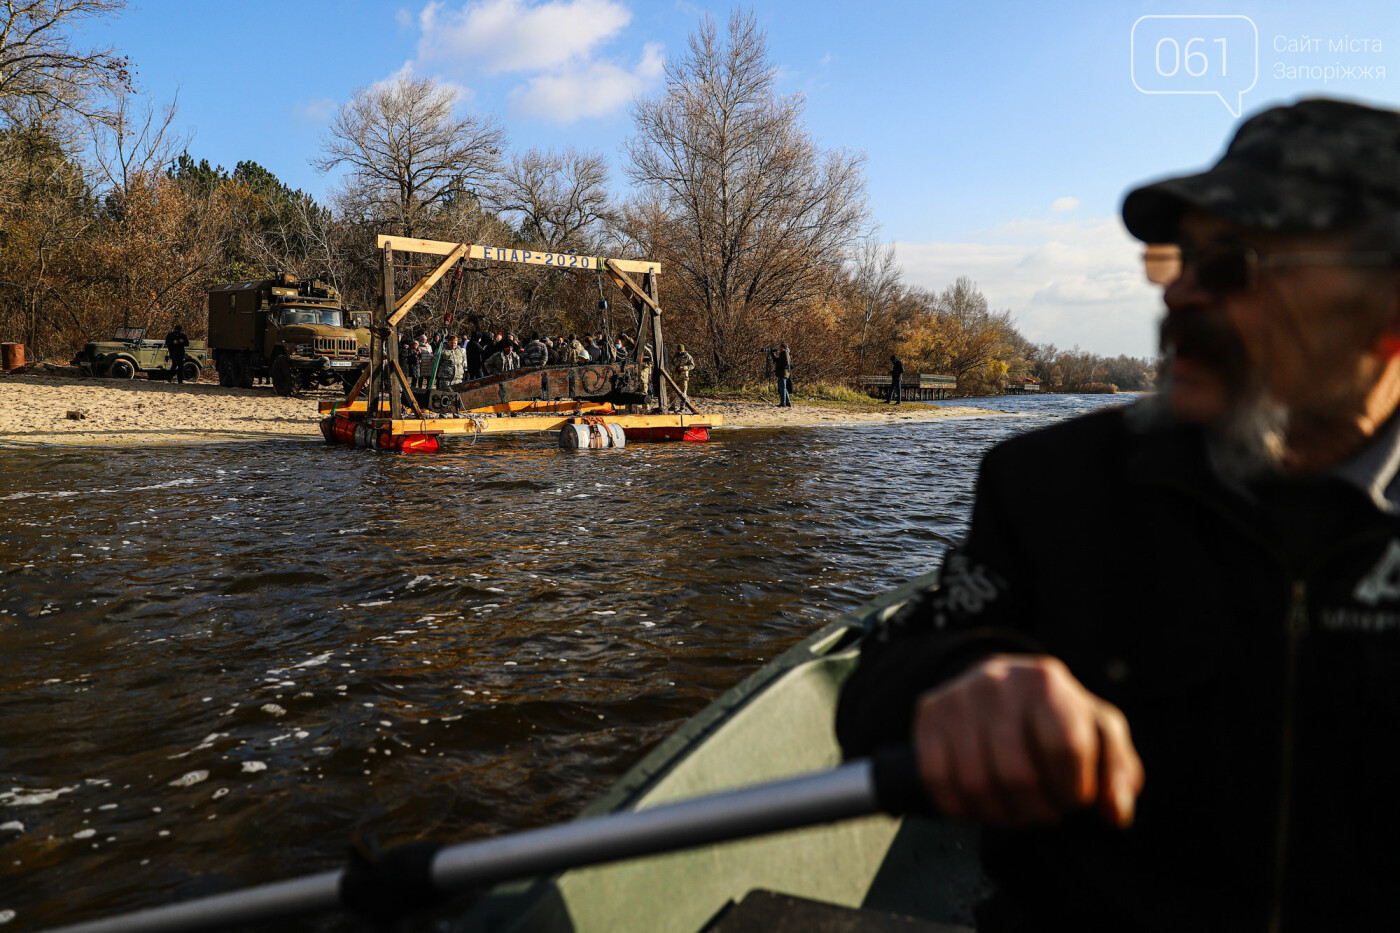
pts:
[19, 797]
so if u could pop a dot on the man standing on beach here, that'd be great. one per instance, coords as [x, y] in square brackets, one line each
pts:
[782, 369]
[1222, 579]
[896, 381]
[175, 343]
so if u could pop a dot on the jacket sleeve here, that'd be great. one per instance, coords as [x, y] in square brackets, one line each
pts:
[981, 607]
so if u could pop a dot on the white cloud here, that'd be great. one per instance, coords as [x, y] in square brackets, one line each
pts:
[1065, 283]
[317, 111]
[554, 47]
[494, 36]
[593, 89]
[1064, 204]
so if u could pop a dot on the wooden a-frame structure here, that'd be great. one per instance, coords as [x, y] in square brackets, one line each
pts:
[385, 386]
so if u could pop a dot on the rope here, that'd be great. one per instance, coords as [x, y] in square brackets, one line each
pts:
[597, 431]
[478, 425]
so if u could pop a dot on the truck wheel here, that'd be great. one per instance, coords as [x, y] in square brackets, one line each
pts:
[225, 373]
[242, 376]
[191, 371]
[121, 369]
[281, 373]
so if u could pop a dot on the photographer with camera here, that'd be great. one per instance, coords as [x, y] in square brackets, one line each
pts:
[781, 359]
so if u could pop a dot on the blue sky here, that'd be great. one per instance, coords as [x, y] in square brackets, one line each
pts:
[1001, 136]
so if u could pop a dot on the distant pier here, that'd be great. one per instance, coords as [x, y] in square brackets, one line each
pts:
[914, 387]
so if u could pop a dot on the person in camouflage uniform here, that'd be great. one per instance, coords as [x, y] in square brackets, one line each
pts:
[452, 368]
[644, 361]
[503, 361]
[578, 353]
[684, 363]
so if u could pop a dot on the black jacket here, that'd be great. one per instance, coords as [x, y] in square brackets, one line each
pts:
[175, 343]
[1253, 642]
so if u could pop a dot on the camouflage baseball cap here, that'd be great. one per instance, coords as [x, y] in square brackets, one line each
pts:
[1317, 165]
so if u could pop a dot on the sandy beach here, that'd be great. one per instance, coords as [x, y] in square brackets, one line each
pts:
[34, 412]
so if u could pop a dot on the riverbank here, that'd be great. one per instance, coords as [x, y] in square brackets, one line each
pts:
[34, 411]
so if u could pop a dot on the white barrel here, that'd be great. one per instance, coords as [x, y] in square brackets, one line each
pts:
[584, 436]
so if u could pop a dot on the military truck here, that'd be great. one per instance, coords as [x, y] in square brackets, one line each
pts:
[289, 330]
[129, 353]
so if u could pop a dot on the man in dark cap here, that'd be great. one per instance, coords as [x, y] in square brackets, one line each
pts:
[175, 344]
[1181, 715]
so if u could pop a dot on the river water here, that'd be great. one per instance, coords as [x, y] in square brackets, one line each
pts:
[218, 663]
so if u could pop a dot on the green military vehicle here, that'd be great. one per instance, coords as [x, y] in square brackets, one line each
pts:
[294, 332]
[129, 353]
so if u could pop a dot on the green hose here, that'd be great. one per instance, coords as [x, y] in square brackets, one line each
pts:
[437, 358]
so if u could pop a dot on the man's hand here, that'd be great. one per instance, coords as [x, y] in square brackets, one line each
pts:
[1018, 740]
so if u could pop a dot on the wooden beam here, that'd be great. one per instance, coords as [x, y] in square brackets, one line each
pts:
[536, 424]
[353, 394]
[390, 343]
[569, 262]
[420, 288]
[658, 342]
[684, 398]
[624, 282]
[568, 406]
[408, 390]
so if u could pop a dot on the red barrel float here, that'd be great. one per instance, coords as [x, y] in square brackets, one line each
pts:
[690, 435]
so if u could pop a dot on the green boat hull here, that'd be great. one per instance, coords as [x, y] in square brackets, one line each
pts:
[776, 724]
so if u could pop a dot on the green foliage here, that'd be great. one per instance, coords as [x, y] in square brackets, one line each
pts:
[198, 178]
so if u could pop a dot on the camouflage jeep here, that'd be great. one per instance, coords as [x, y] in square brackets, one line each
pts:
[129, 353]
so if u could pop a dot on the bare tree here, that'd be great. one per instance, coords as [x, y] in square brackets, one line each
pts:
[557, 198]
[764, 217]
[40, 69]
[133, 142]
[875, 277]
[407, 152]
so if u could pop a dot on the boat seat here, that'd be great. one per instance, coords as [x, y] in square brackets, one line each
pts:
[770, 912]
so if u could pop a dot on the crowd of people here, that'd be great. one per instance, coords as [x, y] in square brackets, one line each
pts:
[488, 353]
[444, 360]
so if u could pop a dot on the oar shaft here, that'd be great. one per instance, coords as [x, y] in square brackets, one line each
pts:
[847, 791]
[855, 789]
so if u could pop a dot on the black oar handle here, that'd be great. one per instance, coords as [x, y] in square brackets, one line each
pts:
[888, 782]
[898, 787]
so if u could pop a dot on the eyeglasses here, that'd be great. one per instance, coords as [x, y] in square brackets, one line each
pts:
[1225, 268]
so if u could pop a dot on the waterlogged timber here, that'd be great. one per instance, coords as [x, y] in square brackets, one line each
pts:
[219, 662]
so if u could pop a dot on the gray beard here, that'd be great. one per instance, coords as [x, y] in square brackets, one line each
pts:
[1247, 443]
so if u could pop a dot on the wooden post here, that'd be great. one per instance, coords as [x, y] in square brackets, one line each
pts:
[643, 320]
[659, 350]
[391, 349]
